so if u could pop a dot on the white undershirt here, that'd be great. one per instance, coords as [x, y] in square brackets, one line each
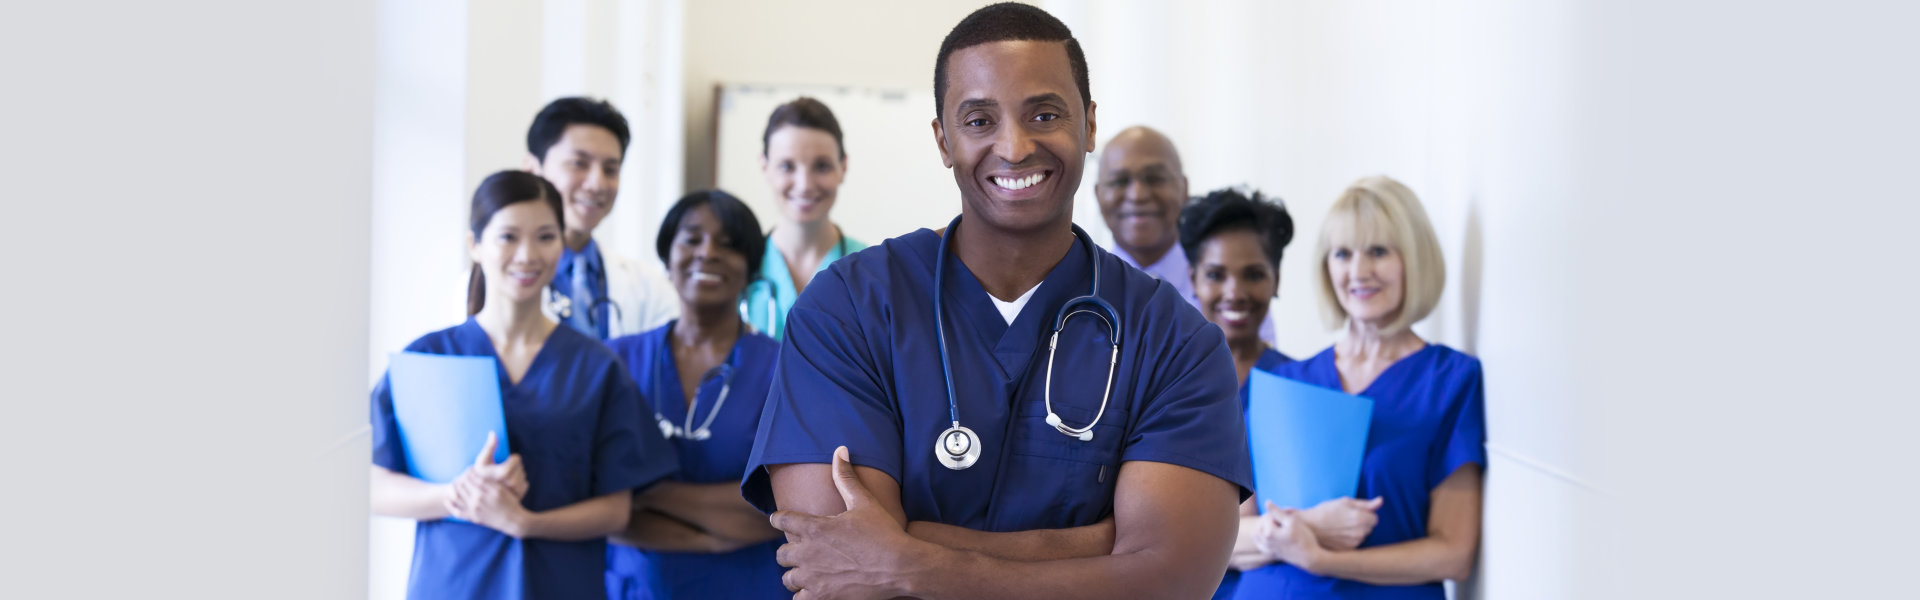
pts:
[1010, 310]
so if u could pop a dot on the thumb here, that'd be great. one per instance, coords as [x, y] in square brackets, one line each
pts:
[486, 451]
[852, 492]
[1375, 503]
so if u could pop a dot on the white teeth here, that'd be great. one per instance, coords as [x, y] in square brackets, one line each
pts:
[1021, 183]
[706, 277]
[1233, 315]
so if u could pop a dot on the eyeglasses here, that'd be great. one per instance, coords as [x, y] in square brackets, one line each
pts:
[1155, 178]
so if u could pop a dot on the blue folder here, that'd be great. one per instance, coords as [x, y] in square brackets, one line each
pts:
[445, 406]
[1307, 441]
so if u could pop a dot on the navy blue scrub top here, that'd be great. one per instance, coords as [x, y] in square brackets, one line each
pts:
[860, 367]
[750, 572]
[1270, 359]
[582, 431]
[1429, 419]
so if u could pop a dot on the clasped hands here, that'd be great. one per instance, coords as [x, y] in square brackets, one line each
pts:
[1302, 537]
[489, 493]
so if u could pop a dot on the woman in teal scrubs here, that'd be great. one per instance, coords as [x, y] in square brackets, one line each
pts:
[804, 160]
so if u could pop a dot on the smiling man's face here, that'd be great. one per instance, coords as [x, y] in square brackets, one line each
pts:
[1016, 133]
[1140, 190]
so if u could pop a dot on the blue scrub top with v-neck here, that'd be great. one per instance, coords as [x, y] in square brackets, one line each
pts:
[1429, 419]
[860, 367]
[749, 572]
[581, 429]
[1270, 359]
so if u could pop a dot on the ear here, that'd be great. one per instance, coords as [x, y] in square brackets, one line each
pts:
[530, 164]
[940, 139]
[763, 163]
[843, 165]
[473, 247]
[1091, 129]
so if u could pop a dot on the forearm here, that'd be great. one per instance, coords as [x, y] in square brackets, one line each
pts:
[400, 495]
[585, 520]
[1412, 562]
[947, 573]
[649, 530]
[715, 508]
[1036, 545]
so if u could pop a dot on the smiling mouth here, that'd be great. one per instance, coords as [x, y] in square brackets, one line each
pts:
[1235, 315]
[705, 278]
[1018, 183]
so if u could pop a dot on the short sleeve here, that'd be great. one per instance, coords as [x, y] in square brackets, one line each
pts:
[388, 452]
[627, 455]
[1463, 433]
[827, 391]
[1195, 420]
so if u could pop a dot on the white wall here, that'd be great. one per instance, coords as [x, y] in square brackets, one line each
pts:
[1476, 106]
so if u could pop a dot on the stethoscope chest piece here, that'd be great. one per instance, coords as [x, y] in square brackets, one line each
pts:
[957, 447]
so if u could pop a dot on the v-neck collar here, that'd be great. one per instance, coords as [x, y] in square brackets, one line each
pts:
[1331, 368]
[670, 374]
[1013, 345]
[478, 335]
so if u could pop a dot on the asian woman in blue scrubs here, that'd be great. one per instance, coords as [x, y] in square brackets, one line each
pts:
[1234, 242]
[804, 158]
[707, 377]
[534, 526]
[940, 427]
[1381, 272]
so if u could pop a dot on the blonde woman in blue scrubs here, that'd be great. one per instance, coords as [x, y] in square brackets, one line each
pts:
[804, 160]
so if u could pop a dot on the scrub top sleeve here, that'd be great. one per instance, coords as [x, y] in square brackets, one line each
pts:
[1463, 435]
[827, 392]
[1195, 420]
[388, 452]
[626, 455]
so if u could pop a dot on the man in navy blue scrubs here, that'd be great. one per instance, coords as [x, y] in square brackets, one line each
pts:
[1143, 504]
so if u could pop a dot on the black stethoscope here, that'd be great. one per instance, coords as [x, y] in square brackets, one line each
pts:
[705, 431]
[958, 447]
[773, 291]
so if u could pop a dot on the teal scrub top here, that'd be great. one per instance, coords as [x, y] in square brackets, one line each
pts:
[770, 297]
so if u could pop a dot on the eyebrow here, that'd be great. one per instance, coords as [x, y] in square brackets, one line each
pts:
[1048, 97]
[584, 155]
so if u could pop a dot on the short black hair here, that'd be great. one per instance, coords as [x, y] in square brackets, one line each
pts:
[804, 112]
[1008, 22]
[552, 122]
[736, 220]
[1229, 209]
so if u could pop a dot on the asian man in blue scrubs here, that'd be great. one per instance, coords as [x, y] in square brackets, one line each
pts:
[1055, 469]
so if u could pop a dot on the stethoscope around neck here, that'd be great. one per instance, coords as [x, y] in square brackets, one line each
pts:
[773, 291]
[959, 447]
[670, 430]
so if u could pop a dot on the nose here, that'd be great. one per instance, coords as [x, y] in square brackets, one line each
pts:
[596, 179]
[1014, 145]
[809, 184]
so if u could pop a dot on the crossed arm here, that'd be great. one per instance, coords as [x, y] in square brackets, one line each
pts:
[707, 518]
[1172, 530]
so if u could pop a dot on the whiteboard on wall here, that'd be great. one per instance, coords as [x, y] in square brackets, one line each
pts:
[895, 183]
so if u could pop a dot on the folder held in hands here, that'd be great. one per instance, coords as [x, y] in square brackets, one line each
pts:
[1307, 441]
[445, 406]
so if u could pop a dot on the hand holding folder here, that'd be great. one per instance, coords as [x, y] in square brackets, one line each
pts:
[446, 406]
[1307, 441]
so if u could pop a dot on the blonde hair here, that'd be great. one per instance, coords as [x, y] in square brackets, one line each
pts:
[1380, 210]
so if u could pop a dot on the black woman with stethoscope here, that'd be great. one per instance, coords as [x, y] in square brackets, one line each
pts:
[804, 161]
[705, 376]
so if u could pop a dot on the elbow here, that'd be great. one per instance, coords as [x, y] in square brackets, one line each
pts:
[1459, 566]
